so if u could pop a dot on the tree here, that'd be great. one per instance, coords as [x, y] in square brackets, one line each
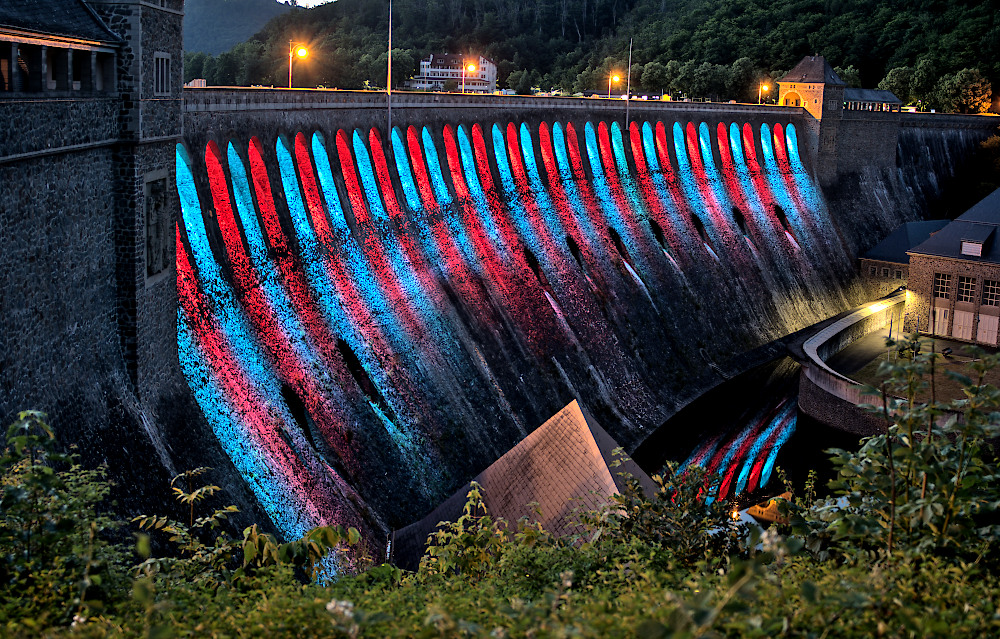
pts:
[227, 65]
[898, 81]
[194, 65]
[743, 79]
[635, 76]
[850, 75]
[655, 77]
[515, 79]
[967, 91]
[710, 80]
[922, 81]
[528, 82]
[403, 67]
[208, 70]
[683, 81]
[249, 62]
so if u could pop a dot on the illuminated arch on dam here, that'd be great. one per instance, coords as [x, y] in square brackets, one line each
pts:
[368, 320]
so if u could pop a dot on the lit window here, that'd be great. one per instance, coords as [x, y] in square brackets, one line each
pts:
[966, 289]
[161, 73]
[942, 285]
[991, 293]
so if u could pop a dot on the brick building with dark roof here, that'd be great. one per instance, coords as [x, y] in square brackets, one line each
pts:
[887, 266]
[954, 283]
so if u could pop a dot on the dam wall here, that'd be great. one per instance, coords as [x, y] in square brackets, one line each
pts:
[349, 321]
[380, 314]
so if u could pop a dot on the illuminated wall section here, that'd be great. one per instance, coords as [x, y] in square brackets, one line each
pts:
[368, 320]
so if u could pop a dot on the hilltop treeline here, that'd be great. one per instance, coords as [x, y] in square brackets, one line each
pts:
[214, 26]
[704, 48]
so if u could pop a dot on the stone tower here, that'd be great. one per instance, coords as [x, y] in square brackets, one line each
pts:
[813, 85]
[149, 77]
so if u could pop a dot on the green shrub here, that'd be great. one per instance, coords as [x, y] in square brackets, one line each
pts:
[924, 485]
[55, 563]
[906, 549]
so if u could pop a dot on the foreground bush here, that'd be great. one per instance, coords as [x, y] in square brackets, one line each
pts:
[905, 548]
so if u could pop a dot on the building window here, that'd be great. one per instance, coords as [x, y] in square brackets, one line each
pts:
[966, 289]
[872, 271]
[899, 274]
[161, 73]
[942, 285]
[885, 271]
[991, 293]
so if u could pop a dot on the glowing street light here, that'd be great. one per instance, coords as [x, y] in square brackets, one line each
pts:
[471, 68]
[295, 50]
[762, 87]
[613, 78]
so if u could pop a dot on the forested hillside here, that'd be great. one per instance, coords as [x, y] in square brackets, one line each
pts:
[214, 26]
[703, 48]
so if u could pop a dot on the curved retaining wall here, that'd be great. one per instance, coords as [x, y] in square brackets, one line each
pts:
[825, 394]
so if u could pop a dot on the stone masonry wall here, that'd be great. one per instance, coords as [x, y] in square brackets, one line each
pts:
[888, 276]
[221, 114]
[866, 139]
[32, 125]
[60, 348]
[161, 29]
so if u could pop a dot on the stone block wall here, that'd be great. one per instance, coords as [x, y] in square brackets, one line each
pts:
[866, 139]
[161, 34]
[883, 277]
[42, 125]
[833, 411]
[60, 349]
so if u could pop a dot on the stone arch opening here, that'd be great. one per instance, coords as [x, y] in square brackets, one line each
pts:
[792, 98]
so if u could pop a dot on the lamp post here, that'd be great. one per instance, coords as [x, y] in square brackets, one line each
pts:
[761, 87]
[298, 50]
[471, 68]
[612, 78]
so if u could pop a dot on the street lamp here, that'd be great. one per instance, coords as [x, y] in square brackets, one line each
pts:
[613, 78]
[762, 87]
[295, 50]
[471, 68]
